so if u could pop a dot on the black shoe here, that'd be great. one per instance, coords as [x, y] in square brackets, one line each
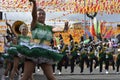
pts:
[71, 72]
[81, 71]
[90, 71]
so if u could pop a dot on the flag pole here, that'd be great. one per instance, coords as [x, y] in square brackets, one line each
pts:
[84, 19]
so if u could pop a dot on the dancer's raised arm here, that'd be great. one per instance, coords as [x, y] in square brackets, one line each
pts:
[34, 14]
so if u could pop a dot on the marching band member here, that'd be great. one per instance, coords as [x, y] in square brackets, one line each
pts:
[73, 53]
[102, 57]
[84, 58]
[118, 60]
[64, 60]
[91, 58]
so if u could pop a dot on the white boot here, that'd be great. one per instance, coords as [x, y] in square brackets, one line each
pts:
[59, 73]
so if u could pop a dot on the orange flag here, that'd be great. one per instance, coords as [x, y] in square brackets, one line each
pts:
[92, 30]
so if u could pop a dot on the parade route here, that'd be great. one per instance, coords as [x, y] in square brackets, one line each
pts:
[66, 75]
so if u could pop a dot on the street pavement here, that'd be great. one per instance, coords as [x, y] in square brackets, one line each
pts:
[66, 75]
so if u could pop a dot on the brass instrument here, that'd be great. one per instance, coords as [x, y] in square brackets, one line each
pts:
[16, 26]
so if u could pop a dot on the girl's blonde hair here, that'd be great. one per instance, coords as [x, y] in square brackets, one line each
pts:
[22, 26]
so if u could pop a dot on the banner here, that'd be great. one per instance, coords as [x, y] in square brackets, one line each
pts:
[76, 6]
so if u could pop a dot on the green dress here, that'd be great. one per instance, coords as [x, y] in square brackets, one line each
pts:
[25, 39]
[6, 55]
[40, 51]
[22, 39]
[42, 32]
[13, 50]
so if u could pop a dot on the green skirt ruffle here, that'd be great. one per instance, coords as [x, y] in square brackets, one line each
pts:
[39, 52]
[6, 56]
[12, 52]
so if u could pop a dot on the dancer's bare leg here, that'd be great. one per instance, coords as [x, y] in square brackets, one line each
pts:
[48, 71]
[28, 70]
[15, 67]
[8, 68]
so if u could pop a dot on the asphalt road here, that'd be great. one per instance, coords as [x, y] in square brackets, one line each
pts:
[66, 75]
